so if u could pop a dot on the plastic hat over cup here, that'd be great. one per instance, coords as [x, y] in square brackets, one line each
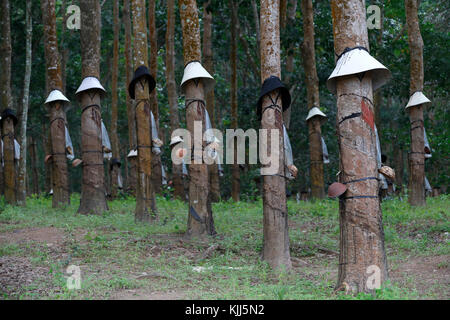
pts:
[175, 140]
[357, 60]
[195, 70]
[417, 98]
[56, 95]
[270, 84]
[89, 83]
[140, 72]
[9, 113]
[336, 189]
[315, 111]
[133, 153]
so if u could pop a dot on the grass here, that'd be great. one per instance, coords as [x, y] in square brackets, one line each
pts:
[115, 254]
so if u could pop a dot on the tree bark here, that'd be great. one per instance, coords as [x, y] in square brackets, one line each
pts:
[5, 76]
[131, 112]
[291, 12]
[236, 179]
[22, 186]
[115, 171]
[8, 159]
[416, 156]
[312, 93]
[5, 56]
[172, 93]
[257, 25]
[156, 159]
[63, 48]
[198, 173]
[361, 228]
[276, 237]
[210, 99]
[93, 198]
[60, 183]
[145, 196]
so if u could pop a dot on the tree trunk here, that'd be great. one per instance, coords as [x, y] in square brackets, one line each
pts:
[257, 25]
[236, 179]
[291, 12]
[131, 112]
[210, 99]
[276, 237]
[5, 76]
[172, 93]
[156, 159]
[60, 184]
[33, 160]
[47, 146]
[145, 197]
[198, 173]
[63, 48]
[115, 171]
[5, 51]
[8, 159]
[22, 186]
[377, 95]
[312, 92]
[362, 254]
[416, 156]
[93, 198]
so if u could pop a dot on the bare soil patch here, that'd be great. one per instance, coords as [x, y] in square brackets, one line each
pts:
[49, 235]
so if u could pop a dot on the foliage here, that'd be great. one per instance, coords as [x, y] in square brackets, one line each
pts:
[392, 51]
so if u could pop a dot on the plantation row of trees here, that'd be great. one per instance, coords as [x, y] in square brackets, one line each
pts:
[244, 46]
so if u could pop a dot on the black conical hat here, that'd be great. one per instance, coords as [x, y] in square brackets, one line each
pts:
[142, 71]
[270, 84]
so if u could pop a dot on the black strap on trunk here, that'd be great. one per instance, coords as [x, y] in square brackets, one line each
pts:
[362, 179]
[275, 106]
[91, 106]
[353, 115]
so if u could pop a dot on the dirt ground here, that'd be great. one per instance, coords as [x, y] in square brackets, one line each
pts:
[423, 274]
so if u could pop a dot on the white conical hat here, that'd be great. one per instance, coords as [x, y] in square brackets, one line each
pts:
[416, 99]
[90, 83]
[355, 61]
[133, 153]
[176, 140]
[56, 95]
[315, 111]
[193, 70]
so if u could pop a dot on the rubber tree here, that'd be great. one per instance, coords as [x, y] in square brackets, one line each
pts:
[362, 258]
[312, 94]
[275, 222]
[115, 169]
[145, 194]
[172, 93]
[291, 11]
[22, 172]
[5, 83]
[200, 223]
[131, 112]
[60, 182]
[235, 171]
[208, 63]
[416, 156]
[93, 198]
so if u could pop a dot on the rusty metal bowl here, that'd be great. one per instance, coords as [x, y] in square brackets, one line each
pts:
[388, 172]
[76, 162]
[47, 157]
[336, 189]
